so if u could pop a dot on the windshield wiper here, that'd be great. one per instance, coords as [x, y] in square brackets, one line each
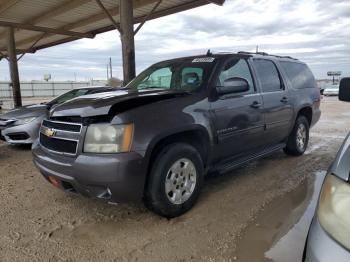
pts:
[153, 87]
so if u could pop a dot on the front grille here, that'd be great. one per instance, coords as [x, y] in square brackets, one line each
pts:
[58, 145]
[60, 137]
[62, 126]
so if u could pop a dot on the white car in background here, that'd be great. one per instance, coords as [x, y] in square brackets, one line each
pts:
[332, 90]
[21, 125]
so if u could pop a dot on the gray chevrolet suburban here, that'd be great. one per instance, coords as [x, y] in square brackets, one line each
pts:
[155, 139]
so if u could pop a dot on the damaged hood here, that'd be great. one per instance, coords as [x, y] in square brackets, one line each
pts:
[113, 102]
[26, 111]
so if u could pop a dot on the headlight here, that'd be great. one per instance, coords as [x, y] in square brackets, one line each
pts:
[334, 209]
[107, 138]
[26, 120]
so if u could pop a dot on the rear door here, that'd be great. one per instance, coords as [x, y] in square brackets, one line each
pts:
[278, 109]
[238, 117]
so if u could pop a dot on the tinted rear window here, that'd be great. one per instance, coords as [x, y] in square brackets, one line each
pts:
[268, 75]
[299, 75]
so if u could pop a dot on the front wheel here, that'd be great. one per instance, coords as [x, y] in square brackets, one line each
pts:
[175, 180]
[299, 138]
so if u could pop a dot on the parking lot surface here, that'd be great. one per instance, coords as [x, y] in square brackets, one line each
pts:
[259, 212]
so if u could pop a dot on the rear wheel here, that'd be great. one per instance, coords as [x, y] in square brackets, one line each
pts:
[299, 138]
[175, 180]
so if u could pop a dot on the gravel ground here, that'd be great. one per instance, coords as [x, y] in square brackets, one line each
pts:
[41, 223]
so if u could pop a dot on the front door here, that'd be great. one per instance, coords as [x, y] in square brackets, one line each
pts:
[238, 117]
[278, 109]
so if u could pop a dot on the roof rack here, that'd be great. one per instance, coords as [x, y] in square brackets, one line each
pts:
[265, 54]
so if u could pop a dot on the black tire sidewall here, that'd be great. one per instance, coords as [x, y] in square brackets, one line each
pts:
[156, 198]
[292, 147]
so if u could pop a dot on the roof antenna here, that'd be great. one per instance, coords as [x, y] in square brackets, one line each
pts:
[209, 53]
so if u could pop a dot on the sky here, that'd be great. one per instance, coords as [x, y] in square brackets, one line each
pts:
[314, 31]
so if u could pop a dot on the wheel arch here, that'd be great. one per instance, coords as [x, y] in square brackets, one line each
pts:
[307, 112]
[197, 136]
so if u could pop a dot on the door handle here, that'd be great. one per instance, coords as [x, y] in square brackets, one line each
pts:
[256, 104]
[284, 100]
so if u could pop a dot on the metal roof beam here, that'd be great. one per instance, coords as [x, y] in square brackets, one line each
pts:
[31, 47]
[114, 11]
[58, 10]
[62, 8]
[217, 2]
[3, 56]
[100, 16]
[104, 9]
[45, 29]
[7, 4]
[89, 20]
[173, 10]
[146, 17]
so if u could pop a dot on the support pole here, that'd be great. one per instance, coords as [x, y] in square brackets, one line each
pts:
[127, 38]
[11, 50]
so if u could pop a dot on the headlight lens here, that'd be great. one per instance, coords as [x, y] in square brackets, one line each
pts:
[107, 138]
[26, 120]
[334, 209]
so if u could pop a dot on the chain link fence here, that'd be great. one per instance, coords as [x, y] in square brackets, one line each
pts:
[40, 89]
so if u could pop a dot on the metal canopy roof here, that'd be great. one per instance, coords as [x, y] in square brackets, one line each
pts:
[40, 23]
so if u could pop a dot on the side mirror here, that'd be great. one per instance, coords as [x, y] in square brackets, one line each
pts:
[233, 85]
[344, 89]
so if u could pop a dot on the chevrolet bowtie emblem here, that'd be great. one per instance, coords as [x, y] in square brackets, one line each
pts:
[49, 132]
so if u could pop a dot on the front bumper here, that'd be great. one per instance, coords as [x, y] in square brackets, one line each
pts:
[22, 134]
[321, 247]
[113, 177]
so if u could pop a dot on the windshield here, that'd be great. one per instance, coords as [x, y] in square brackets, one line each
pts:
[69, 95]
[180, 76]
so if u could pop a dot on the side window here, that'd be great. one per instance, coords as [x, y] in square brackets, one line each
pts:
[299, 75]
[191, 78]
[160, 78]
[236, 68]
[268, 75]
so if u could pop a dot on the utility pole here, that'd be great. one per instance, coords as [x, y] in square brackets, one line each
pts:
[107, 67]
[110, 67]
[128, 41]
[11, 50]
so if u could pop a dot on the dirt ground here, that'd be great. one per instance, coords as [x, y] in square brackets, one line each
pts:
[259, 212]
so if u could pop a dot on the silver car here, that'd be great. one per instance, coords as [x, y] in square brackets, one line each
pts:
[21, 125]
[329, 234]
[332, 90]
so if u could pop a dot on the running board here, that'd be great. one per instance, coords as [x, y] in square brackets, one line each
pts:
[229, 166]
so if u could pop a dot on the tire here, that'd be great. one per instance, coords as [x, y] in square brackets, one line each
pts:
[297, 142]
[171, 190]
